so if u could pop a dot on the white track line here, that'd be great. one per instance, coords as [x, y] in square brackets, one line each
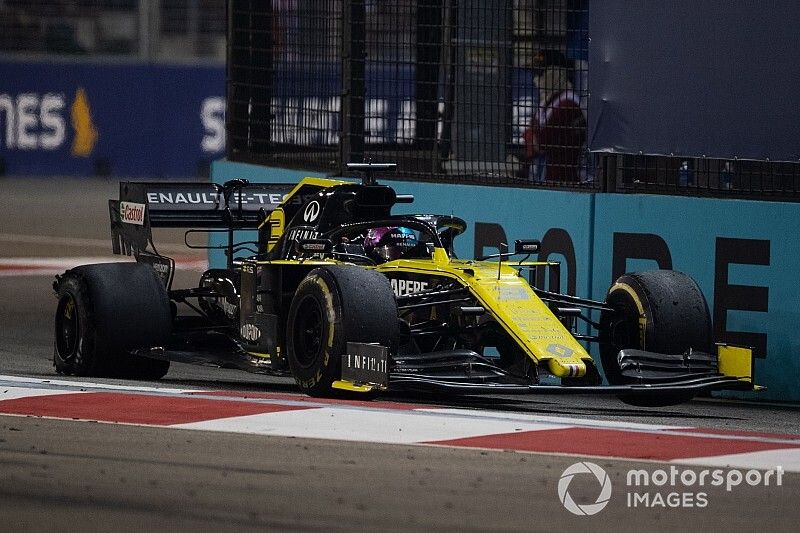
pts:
[76, 241]
[578, 422]
[61, 386]
[788, 459]
[14, 393]
[50, 266]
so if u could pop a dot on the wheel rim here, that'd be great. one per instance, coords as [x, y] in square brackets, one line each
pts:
[308, 331]
[67, 328]
[622, 326]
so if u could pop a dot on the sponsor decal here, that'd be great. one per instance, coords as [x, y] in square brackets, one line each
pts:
[229, 308]
[302, 234]
[311, 212]
[318, 247]
[162, 268]
[560, 350]
[35, 121]
[404, 287]
[363, 362]
[505, 293]
[85, 133]
[181, 198]
[250, 332]
[212, 114]
[131, 213]
[212, 198]
[366, 363]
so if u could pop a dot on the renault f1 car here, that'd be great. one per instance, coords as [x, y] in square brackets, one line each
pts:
[345, 296]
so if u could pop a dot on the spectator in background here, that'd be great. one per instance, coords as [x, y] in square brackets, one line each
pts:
[556, 139]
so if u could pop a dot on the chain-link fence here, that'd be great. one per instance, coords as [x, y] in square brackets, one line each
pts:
[479, 91]
[150, 30]
[487, 91]
[465, 91]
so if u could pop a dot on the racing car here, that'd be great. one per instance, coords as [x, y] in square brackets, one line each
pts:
[337, 291]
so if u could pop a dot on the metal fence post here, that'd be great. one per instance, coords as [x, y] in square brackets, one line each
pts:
[429, 45]
[354, 37]
[249, 77]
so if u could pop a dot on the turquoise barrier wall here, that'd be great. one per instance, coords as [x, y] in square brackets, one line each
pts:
[744, 254]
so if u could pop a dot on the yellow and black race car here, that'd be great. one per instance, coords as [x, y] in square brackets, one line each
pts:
[343, 295]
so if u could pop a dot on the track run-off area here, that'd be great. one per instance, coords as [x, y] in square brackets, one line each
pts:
[213, 449]
[386, 422]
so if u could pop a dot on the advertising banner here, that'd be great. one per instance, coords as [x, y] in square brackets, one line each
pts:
[125, 120]
[155, 121]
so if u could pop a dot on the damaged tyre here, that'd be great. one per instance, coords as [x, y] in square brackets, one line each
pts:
[106, 310]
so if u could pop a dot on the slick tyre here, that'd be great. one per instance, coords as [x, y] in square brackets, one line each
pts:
[333, 306]
[660, 311]
[105, 310]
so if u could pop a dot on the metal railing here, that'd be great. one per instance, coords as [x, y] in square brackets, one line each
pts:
[675, 175]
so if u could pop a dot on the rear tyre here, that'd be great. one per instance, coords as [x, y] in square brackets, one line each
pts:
[332, 306]
[104, 311]
[660, 311]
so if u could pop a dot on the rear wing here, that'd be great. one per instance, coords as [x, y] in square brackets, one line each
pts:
[142, 206]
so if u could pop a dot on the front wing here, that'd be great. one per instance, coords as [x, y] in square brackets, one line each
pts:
[462, 372]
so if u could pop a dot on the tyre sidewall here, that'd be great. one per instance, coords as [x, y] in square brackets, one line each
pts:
[121, 307]
[675, 317]
[358, 305]
[316, 377]
[82, 361]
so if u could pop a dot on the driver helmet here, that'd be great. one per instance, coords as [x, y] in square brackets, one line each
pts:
[389, 243]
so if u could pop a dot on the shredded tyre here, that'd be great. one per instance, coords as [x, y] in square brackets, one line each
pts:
[103, 312]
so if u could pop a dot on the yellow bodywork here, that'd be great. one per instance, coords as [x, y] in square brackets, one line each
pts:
[735, 361]
[500, 289]
[352, 387]
[508, 298]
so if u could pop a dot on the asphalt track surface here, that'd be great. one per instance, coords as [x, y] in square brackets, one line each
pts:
[59, 474]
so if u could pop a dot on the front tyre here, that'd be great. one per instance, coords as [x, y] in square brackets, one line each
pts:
[332, 306]
[662, 311]
[103, 312]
